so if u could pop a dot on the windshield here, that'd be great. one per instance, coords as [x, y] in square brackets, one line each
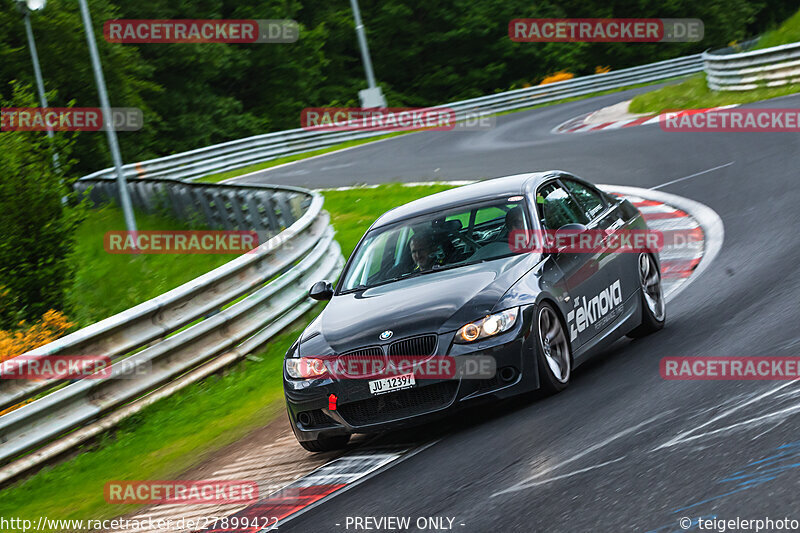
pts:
[462, 236]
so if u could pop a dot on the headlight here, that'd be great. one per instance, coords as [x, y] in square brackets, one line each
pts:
[487, 327]
[305, 367]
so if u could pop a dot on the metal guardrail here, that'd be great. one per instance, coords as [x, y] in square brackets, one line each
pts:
[770, 67]
[222, 315]
[260, 148]
[265, 209]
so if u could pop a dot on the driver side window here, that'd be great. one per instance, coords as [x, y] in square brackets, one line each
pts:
[557, 208]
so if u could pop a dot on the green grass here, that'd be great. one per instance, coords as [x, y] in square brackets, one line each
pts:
[583, 97]
[222, 176]
[179, 432]
[789, 32]
[695, 94]
[106, 284]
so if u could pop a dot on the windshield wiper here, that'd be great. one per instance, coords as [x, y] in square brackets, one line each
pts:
[357, 288]
[384, 282]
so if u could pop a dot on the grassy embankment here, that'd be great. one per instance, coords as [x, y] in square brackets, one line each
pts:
[182, 430]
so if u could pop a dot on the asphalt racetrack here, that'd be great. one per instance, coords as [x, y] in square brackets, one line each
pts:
[621, 449]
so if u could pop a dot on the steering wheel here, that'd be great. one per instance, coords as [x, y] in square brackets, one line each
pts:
[468, 241]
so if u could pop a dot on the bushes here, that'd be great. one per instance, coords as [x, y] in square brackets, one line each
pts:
[37, 228]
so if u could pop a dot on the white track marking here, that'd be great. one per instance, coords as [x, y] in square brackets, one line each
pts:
[562, 476]
[684, 437]
[620, 124]
[692, 175]
[755, 421]
[525, 482]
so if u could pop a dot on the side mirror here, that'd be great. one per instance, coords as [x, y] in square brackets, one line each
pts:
[572, 228]
[321, 291]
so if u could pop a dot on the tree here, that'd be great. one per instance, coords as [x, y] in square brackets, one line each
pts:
[37, 227]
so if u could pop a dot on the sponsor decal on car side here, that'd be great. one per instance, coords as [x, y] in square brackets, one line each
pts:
[593, 311]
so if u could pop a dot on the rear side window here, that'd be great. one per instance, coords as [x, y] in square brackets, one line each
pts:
[557, 208]
[591, 202]
[489, 213]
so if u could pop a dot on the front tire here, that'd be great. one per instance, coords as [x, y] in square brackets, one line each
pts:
[326, 444]
[654, 312]
[553, 352]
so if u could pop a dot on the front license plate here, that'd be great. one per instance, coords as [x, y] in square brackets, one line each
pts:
[381, 386]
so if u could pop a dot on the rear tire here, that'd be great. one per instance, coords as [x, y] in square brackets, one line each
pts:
[326, 444]
[654, 311]
[553, 351]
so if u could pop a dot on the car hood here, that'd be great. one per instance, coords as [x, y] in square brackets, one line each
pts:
[431, 303]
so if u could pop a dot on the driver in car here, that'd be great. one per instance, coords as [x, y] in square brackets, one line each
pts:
[423, 248]
[515, 220]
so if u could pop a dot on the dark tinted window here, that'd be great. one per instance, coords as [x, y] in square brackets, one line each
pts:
[591, 202]
[430, 242]
[557, 208]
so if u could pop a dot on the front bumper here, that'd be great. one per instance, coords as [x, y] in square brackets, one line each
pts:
[359, 411]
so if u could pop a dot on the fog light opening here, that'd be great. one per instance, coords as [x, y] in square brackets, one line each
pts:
[508, 374]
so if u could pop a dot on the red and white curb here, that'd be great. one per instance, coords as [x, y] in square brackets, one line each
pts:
[683, 240]
[579, 125]
[693, 233]
[315, 488]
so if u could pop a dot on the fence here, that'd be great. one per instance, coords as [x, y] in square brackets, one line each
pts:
[184, 334]
[770, 67]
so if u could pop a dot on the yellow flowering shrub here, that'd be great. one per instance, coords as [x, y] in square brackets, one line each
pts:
[558, 76]
[27, 337]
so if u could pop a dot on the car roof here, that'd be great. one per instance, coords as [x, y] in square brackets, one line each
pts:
[518, 184]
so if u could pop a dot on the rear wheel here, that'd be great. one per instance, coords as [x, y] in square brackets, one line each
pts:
[554, 356]
[326, 444]
[654, 311]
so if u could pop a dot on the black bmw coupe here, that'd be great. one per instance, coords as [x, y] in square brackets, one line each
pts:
[441, 277]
